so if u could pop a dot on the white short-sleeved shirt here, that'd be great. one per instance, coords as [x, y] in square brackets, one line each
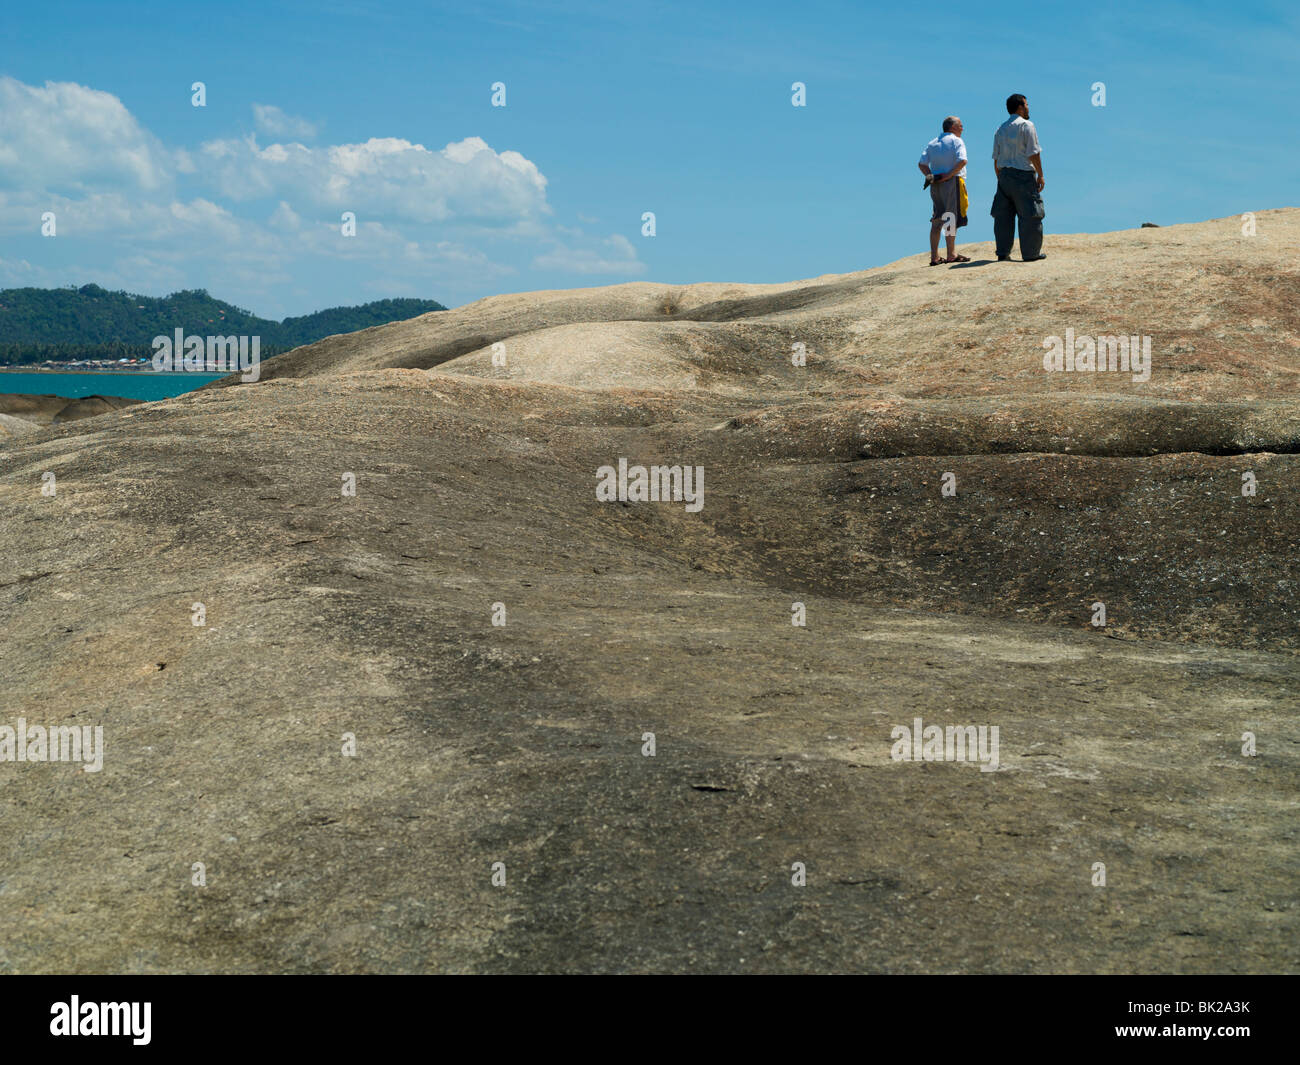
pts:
[1015, 141]
[944, 153]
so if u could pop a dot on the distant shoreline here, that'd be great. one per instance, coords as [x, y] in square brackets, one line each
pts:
[106, 373]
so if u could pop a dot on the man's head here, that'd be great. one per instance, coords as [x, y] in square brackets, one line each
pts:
[1017, 105]
[952, 124]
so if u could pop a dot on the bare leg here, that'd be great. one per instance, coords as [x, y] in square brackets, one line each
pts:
[935, 227]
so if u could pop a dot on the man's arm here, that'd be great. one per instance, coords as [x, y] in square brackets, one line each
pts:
[924, 169]
[954, 172]
[1035, 153]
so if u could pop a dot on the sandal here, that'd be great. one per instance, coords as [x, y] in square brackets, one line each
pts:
[958, 259]
[937, 262]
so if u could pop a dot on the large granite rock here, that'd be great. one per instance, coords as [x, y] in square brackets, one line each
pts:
[475, 485]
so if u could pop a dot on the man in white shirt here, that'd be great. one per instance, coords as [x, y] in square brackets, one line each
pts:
[1018, 166]
[943, 163]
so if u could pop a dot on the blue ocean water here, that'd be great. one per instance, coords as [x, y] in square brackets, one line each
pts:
[129, 384]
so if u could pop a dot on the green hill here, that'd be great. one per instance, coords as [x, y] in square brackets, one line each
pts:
[93, 323]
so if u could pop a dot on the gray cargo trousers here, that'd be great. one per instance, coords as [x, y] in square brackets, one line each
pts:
[1018, 197]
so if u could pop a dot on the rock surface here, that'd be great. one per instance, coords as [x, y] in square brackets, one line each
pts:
[11, 426]
[371, 615]
[48, 409]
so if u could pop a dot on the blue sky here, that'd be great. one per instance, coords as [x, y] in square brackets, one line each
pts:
[612, 109]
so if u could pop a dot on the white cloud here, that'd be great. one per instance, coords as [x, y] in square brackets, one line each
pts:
[270, 120]
[614, 255]
[285, 217]
[146, 217]
[66, 136]
[385, 177]
[128, 219]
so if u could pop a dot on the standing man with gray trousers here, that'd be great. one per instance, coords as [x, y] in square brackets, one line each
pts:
[1015, 152]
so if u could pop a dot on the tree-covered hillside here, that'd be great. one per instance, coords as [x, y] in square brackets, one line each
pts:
[92, 323]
